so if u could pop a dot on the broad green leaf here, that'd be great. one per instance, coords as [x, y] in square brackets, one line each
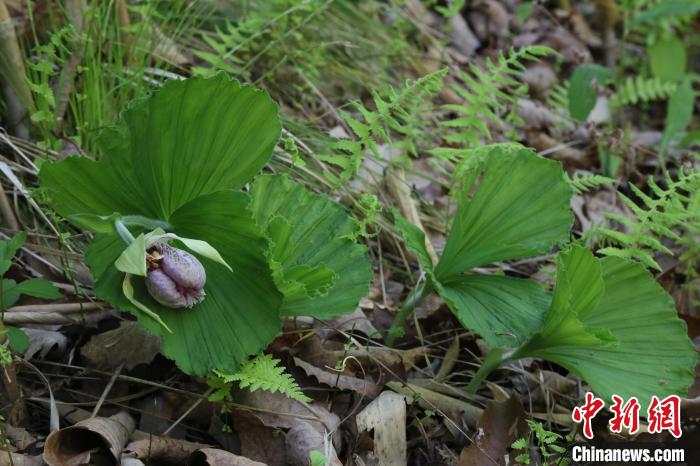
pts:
[582, 89]
[309, 236]
[239, 315]
[502, 310]
[679, 113]
[37, 288]
[8, 249]
[133, 259]
[668, 59]
[19, 341]
[643, 350]
[187, 139]
[519, 208]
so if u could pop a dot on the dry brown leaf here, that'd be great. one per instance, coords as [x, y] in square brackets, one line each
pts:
[214, 457]
[129, 344]
[258, 441]
[94, 437]
[502, 423]
[279, 411]
[357, 321]
[386, 416]
[302, 439]
[162, 449]
[344, 382]
[15, 459]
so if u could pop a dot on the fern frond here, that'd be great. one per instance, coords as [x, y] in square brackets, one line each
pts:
[636, 89]
[264, 373]
[490, 95]
[654, 219]
[395, 120]
[582, 183]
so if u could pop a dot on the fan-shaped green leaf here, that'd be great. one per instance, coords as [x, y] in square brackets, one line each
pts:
[189, 138]
[520, 208]
[309, 235]
[503, 310]
[643, 350]
[239, 315]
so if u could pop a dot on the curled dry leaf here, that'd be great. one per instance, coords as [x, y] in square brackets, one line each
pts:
[214, 457]
[386, 416]
[129, 344]
[162, 450]
[501, 424]
[92, 438]
[335, 379]
[302, 439]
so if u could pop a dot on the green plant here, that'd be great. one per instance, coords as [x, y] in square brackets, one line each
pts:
[12, 338]
[582, 183]
[546, 444]
[601, 311]
[395, 121]
[260, 373]
[490, 97]
[177, 161]
[654, 220]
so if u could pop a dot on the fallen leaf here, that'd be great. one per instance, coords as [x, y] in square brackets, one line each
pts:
[281, 412]
[15, 459]
[258, 441]
[302, 439]
[162, 449]
[42, 341]
[94, 437]
[502, 423]
[386, 416]
[129, 344]
[344, 382]
[214, 457]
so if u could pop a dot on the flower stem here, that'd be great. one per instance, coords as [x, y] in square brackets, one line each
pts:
[492, 361]
[123, 232]
[412, 300]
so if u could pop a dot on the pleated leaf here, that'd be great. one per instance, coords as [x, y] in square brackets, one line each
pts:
[515, 205]
[240, 313]
[189, 138]
[618, 330]
[321, 271]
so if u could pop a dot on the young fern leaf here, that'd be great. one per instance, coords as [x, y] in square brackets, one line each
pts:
[653, 221]
[263, 372]
[637, 89]
[395, 121]
[582, 183]
[490, 95]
